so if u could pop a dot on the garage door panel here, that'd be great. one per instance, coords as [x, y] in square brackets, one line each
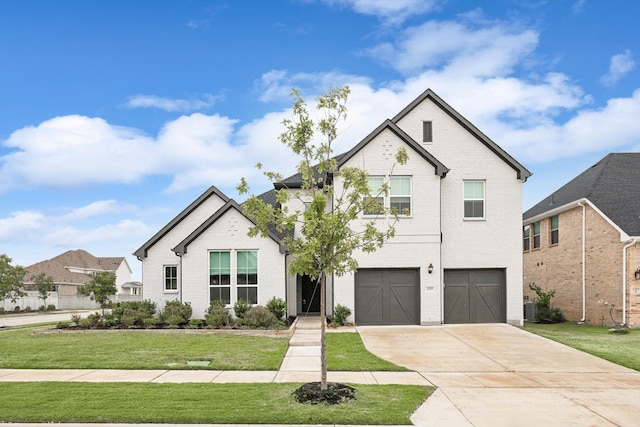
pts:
[474, 296]
[387, 297]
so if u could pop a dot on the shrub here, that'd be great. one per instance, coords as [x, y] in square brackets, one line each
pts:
[176, 313]
[42, 308]
[51, 307]
[27, 309]
[260, 318]
[546, 313]
[195, 323]
[151, 322]
[16, 309]
[132, 313]
[217, 315]
[340, 314]
[76, 319]
[92, 321]
[240, 308]
[2, 310]
[277, 306]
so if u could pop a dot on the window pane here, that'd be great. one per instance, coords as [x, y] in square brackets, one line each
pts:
[474, 190]
[554, 222]
[249, 293]
[554, 237]
[400, 186]
[427, 132]
[375, 184]
[401, 205]
[220, 262]
[220, 294]
[473, 209]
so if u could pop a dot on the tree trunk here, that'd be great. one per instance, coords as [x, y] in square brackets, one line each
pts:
[323, 337]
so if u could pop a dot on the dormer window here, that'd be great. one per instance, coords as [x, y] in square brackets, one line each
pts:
[427, 132]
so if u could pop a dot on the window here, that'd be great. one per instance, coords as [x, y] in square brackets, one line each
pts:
[536, 235]
[398, 199]
[427, 131]
[375, 203]
[247, 275]
[170, 278]
[474, 199]
[245, 279]
[400, 194]
[554, 236]
[526, 238]
[220, 276]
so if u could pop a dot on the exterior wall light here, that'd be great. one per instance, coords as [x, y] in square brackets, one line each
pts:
[430, 270]
[638, 274]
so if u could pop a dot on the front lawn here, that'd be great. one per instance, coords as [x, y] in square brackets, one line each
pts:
[55, 402]
[153, 350]
[622, 349]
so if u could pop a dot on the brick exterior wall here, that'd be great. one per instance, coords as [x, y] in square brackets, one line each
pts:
[559, 267]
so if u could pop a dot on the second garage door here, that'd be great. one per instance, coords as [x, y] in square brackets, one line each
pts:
[474, 296]
[387, 297]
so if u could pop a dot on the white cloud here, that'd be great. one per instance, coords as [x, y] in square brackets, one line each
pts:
[70, 236]
[21, 225]
[619, 66]
[390, 12]
[204, 102]
[94, 209]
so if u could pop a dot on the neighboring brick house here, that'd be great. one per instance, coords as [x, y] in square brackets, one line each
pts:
[74, 268]
[455, 257]
[583, 241]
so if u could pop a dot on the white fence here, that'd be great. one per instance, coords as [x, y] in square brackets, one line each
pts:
[62, 302]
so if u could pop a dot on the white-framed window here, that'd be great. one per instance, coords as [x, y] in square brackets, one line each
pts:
[170, 278]
[233, 269]
[398, 198]
[526, 238]
[536, 235]
[474, 206]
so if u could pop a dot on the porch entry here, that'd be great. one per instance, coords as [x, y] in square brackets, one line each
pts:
[308, 295]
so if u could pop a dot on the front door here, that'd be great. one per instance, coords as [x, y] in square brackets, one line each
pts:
[310, 292]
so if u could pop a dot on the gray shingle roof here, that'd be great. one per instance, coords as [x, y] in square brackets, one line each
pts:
[612, 184]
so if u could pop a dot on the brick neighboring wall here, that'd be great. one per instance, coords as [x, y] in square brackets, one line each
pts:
[559, 267]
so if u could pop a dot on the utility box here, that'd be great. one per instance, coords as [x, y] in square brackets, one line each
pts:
[530, 312]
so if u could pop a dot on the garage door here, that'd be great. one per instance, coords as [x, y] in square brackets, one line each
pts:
[474, 296]
[387, 297]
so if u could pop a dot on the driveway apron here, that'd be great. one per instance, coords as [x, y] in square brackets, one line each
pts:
[499, 375]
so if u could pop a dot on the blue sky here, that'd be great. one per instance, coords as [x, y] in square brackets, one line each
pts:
[115, 115]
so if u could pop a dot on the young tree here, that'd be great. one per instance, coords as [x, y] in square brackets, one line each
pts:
[11, 280]
[327, 240]
[100, 288]
[43, 284]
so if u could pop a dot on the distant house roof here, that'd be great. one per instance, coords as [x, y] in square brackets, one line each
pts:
[142, 251]
[72, 267]
[522, 172]
[612, 185]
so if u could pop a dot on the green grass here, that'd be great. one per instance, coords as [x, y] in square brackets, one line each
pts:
[138, 350]
[622, 349]
[149, 350]
[346, 352]
[52, 402]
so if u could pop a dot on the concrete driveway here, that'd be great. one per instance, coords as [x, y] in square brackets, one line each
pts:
[499, 375]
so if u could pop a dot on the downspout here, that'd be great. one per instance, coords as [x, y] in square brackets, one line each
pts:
[624, 280]
[180, 276]
[584, 260]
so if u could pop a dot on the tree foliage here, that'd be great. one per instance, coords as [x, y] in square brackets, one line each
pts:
[11, 279]
[43, 284]
[100, 288]
[327, 240]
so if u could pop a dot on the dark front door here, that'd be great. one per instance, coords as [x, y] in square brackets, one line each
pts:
[310, 291]
[387, 297]
[474, 296]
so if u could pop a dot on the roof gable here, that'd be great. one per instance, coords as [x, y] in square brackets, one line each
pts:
[440, 169]
[522, 172]
[612, 184]
[211, 191]
[182, 247]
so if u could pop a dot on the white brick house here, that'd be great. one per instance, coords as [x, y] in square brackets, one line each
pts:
[456, 257]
